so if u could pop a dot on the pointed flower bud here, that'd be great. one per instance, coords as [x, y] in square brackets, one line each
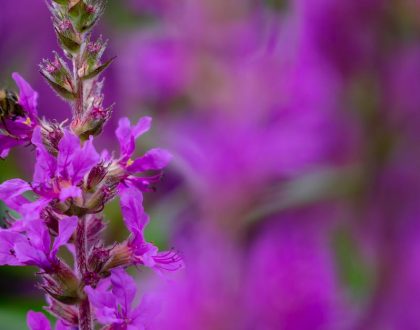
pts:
[62, 284]
[92, 54]
[58, 76]
[85, 14]
[69, 39]
[67, 313]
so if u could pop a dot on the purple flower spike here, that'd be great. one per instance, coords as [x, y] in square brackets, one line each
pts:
[63, 206]
[114, 306]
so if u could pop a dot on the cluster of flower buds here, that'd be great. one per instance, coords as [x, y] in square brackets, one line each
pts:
[62, 207]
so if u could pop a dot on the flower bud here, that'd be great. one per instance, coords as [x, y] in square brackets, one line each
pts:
[58, 76]
[51, 220]
[62, 284]
[51, 136]
[98, 258]
[101, 196]
[95, 176]
[65, 312]
[85, 14]
[121, 255]
[95, 226]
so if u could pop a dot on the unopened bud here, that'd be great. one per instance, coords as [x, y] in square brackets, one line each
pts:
[62, 284]
[64, 312]
[121, 255]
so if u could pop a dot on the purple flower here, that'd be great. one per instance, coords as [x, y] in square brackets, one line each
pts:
[38, 321]
[18, 131]
[11, 193]
[114, 306]
[60, 177]
[153, 160]
[142, 252]
[33, 247]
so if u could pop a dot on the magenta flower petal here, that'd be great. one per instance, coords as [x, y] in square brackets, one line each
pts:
[113, 306]
[154, 159]
[125, 138]
[46, 164]
[70, 192]
[38, 321]
[142, 126]
[7, 241]
[67, 226]
[133, 212]
[123, 288]
[7, 143]
[83, 160]
[127, 135]
[11, 191]
[28, 98]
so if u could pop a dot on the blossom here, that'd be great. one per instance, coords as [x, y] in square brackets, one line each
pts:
[33, 247]
[136, 248]
[60, 177]
[113, 301]
[18, 131]
[153, 160]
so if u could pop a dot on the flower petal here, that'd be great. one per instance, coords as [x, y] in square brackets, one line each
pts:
[124, 289]
[46, 164]
[125, 138]
[7, 241]
[154, 159]
[66, 228]
[38, 321]
[11, 192]
[70, 192]
[28, 98]
[132, 209]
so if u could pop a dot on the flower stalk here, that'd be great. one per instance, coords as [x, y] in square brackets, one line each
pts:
[85, 317]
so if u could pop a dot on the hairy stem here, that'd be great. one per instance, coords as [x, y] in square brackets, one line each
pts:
[85, 316]
[79, 102]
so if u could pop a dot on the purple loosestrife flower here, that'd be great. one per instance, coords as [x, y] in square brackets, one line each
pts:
[16, 129]
[113, 302]
[60, 178]
[153, 160]
[34, 246]
[136, 249]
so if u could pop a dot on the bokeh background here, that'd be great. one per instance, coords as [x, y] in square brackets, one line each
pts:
[295, 128]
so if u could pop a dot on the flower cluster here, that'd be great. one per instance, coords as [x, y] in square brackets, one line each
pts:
[62, 207]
